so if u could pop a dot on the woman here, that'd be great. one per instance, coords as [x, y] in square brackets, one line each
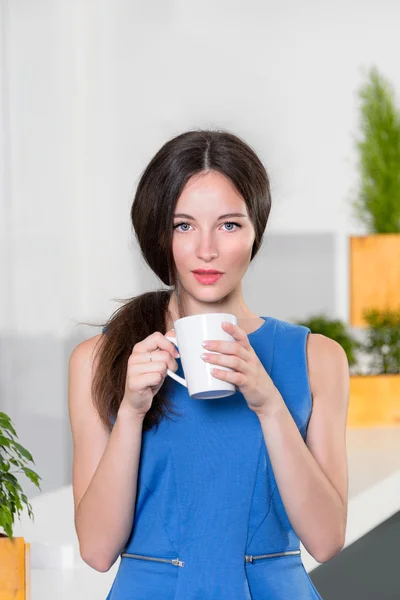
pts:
[207, 499]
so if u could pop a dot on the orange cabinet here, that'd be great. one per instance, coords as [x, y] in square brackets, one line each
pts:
[374, 274]
[14, 569]
[374, 400]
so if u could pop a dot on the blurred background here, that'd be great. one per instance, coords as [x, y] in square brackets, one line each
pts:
[91, 89]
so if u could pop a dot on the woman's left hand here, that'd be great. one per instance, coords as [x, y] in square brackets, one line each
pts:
[248, 374]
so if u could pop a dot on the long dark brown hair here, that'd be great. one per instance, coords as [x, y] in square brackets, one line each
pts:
[158, 190]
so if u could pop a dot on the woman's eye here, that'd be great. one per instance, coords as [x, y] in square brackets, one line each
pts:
[226, 223]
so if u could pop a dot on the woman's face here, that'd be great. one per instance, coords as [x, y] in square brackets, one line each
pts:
[208, 241]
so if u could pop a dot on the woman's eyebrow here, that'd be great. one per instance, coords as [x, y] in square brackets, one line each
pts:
[234, 214]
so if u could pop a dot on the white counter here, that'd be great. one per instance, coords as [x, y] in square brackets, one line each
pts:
[374, 496]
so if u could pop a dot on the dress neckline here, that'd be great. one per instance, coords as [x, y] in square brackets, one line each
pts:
[266, 320]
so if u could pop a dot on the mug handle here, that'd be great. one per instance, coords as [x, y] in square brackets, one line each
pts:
[177, 378]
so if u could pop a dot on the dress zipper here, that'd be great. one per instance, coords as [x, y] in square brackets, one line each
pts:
[173, 561]
[287, 553]
[180, 563]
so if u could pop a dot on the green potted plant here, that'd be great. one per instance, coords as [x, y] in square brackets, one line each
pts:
[374, 366]
[14, 551]
[383, 342]
[374, 258]
[375, 390]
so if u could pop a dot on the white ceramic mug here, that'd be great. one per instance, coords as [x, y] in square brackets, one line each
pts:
[190, 333]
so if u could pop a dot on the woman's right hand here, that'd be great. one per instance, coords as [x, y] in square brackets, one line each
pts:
[144, 377]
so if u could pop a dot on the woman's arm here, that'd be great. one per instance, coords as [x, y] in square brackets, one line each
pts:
[105, 466]
[312, 478]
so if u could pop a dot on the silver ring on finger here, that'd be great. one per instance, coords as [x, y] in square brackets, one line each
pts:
[150, 354]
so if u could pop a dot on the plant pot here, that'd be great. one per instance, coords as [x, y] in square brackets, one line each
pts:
[374, 274]
[14, 569]
[374, 401]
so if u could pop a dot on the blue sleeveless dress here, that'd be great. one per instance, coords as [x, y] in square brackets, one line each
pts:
[209, 522]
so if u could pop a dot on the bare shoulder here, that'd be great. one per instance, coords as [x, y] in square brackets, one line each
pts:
[327, 364]
[85, 351]
[82, 364]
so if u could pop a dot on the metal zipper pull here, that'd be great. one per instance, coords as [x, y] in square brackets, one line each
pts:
[249, 559]
[178, 563]
[173, 561]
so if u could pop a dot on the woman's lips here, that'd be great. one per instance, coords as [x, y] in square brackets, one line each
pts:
[207, 279]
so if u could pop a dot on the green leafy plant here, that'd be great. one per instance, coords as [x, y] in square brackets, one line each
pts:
[382, 343]
[336, 330]
[378, 201]
[13, 455]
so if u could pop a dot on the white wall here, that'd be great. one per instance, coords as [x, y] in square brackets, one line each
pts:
[90, 89]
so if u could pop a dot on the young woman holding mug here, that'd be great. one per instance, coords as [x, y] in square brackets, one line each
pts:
[207, 498]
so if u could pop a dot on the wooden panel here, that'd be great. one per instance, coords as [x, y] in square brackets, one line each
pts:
[374, 274]
[27, 571]
[374, 400]
[12, 569]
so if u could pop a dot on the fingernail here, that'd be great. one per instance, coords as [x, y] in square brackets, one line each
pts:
[177, 355]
